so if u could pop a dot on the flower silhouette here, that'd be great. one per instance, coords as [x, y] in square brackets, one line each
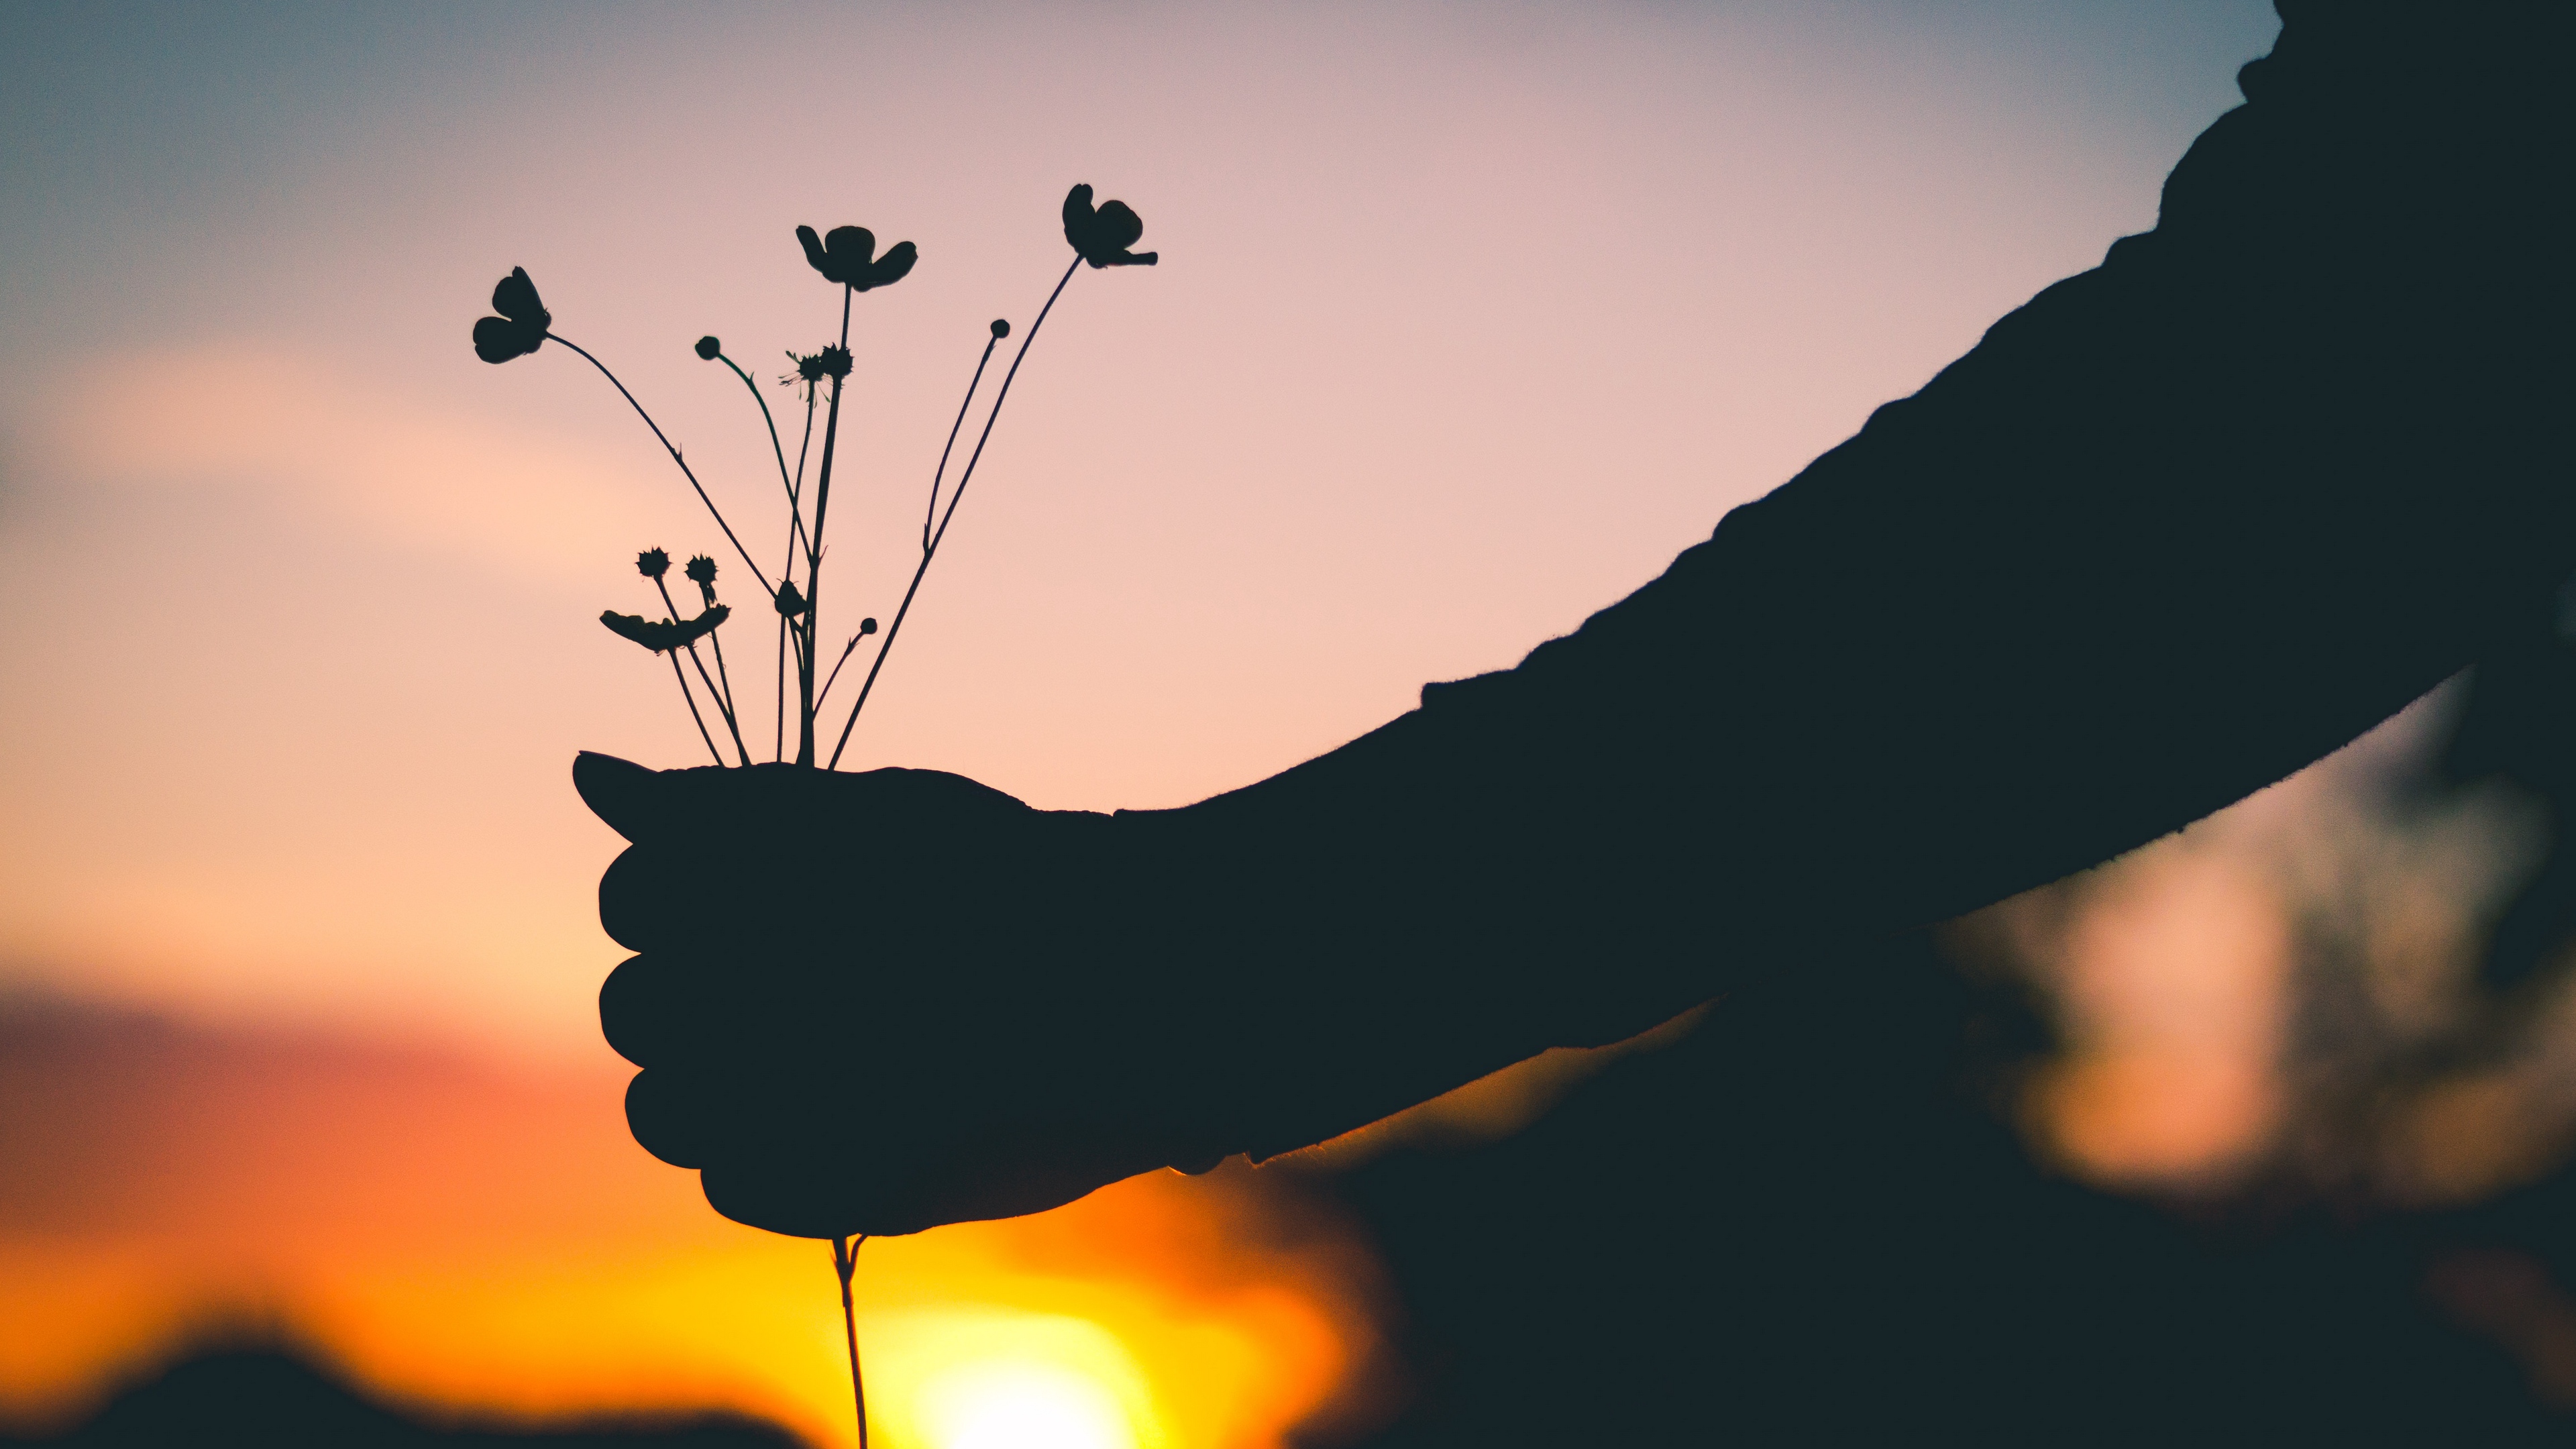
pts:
[662, 635]
[701, 570]
[1103, 236]
[708, 347]
[652, 563]
[521, 327]
[843, 257]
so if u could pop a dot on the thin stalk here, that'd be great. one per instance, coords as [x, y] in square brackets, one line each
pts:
[845, 1262]
[989, 344]
[717, 639]
[724, 705]
[826, 691]
[778, 750]
[778, 747]
[954, 496]
[676, 458]
[795, 521]
[814, 555]
[693, 711]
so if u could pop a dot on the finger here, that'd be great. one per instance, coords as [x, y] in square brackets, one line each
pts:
[672, 1117]
[809, 1194]
[653, 1010]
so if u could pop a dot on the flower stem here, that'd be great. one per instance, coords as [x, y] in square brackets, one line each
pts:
[931, 550]
[845, 1261]
[795, 529]
[675, 457]
[814, 555]
[826, 691]
[724, 705]
[795, 520]
[693, 711]
[990, 343]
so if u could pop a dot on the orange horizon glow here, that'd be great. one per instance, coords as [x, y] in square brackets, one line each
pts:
[486, 1240]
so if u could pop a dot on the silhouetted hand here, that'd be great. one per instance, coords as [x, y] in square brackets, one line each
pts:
[879, 1002]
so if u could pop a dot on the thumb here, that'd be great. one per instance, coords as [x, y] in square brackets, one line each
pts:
[620, 792]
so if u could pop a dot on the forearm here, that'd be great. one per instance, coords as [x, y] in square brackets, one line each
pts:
[2178, 527]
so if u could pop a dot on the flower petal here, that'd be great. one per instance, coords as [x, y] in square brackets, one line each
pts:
[890, 268]
[1077, 216]
[1117, 227]
[515, 297]
[496, 340]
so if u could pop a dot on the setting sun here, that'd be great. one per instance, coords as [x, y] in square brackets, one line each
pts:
[1009, 1404]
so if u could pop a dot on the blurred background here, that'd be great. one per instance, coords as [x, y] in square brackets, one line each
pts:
[1468, 319]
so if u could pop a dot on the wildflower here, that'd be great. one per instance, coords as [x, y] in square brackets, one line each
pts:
[1104, 236]
[701, 570]
[521, 327]
[708, 347]
[790, 602]
[663, 635]
[832, 361]
[867, 627]
[652, 563]
[1001, 329]
[843, 257]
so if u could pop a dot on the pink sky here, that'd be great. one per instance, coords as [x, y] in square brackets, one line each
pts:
[1467, 322]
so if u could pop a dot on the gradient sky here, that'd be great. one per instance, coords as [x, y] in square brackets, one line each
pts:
[1469, 318]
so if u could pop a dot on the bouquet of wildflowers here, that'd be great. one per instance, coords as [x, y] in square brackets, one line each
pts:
[846, 257]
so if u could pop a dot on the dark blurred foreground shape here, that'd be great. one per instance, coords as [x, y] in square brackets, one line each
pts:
[270, 1396]
[1812, 1221]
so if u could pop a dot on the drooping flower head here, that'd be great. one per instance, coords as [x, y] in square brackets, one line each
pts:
[663, 635]
[652, 563]
[1104, 235]
[844, 255]
[521, 327]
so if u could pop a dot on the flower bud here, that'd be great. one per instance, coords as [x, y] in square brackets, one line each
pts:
[1001, 329]
[652, 563]
[867, 627]
[708, 347]
[790, 603]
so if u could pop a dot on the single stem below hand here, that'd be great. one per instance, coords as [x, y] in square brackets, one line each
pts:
[929, 551]
[845, 1261]
[675, 457]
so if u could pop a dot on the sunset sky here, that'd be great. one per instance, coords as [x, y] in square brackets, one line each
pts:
[1468, 319]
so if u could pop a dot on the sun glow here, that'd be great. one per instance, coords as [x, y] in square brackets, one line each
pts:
[978, 1378]
[1007, 1405]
